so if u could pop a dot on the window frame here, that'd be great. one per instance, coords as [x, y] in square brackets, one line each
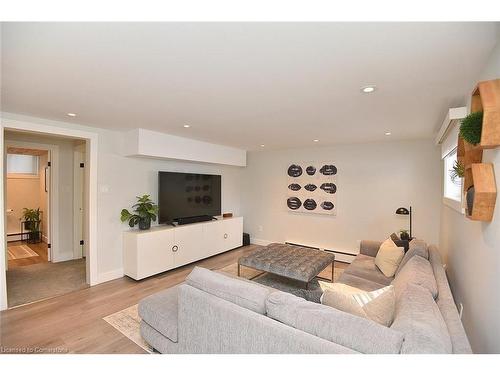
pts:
[456, 204]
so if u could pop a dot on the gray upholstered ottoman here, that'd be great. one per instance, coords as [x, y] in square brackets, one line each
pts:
[295, 262]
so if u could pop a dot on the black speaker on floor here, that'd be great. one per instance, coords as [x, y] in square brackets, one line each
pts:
[246, 239]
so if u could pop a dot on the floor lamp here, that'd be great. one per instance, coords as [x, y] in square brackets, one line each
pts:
[405, 211]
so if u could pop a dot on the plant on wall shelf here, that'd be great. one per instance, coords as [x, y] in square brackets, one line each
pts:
[458, 171]
[145, 211]
[32, 220]
[471, 127]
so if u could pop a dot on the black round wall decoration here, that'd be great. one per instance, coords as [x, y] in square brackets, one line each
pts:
[329, 187]
[310, 187]
[294, 187]
[310, 204]
[294, 170]
[310, 170]
[327, 205]
[293, 203]
[328, 170]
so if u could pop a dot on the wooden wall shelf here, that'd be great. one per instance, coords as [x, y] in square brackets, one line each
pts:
[486, 98]
[482, 177]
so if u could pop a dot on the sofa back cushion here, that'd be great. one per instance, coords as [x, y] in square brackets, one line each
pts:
[419, 318]
[242, 293]
[416, 247]
[416, 271]
[351, 331]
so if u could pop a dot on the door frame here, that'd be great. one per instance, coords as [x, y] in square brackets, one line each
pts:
[78, 189]
[48, 127]
[53, 203]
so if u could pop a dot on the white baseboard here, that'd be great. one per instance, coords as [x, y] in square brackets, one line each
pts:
[110, 275]
[45, 239]
[13, 238]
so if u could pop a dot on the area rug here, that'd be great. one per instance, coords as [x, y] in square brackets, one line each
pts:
[127, 321]
[39, 281]
[19, 252]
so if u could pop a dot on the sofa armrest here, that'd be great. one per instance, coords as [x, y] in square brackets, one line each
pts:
[370, 248]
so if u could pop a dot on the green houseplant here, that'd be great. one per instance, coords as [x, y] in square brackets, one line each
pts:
[144, 210]
[32, 220]
[471, 127]
[457, 171]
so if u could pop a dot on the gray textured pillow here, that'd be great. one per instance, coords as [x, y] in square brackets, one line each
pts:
[333, 325]
[242, 293]
[419, 318]
[416, 271]
[416, 247]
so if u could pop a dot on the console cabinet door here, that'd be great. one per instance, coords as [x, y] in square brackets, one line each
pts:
[232, 233]
[188, 245]
[213, 233]
[153, 252]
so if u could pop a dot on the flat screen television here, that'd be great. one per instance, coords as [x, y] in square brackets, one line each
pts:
[187, 195]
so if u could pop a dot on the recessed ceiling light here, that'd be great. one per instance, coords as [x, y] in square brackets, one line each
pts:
[72, 114]
[315, 140]
[187, 126]
[262, 145]
[387, 133]
[368, 89]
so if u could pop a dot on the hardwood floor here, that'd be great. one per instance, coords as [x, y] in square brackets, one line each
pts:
[39, 248]
[73, 323]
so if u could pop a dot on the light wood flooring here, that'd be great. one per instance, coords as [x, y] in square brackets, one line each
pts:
[73, 322]
[39, 248]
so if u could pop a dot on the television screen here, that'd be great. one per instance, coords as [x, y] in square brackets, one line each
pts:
[182, 195]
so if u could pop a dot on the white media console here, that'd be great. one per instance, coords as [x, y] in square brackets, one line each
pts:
[162, 248]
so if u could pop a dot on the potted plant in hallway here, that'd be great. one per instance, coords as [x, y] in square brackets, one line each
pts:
[32, 222]
[145, 211]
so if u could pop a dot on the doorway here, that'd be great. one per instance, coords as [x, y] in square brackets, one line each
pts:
[42, 231]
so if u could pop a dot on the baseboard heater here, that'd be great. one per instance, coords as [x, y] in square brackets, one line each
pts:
[343, 256]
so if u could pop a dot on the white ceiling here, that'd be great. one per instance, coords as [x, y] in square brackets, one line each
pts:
[246, 84]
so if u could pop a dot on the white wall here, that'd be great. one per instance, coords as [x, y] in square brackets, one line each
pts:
[121, 178]
[472, 250]
[374, 179]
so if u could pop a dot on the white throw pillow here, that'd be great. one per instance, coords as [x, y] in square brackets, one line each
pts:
[378, 305]
[388, 243]
[388, 259]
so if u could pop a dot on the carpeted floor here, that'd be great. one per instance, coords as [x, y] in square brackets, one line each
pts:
[39, 281]
[127, 321]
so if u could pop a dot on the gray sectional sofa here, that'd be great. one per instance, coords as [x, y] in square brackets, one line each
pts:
[216, 313]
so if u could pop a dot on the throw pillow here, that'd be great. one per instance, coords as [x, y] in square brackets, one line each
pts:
[388, 242]
[388, 259]
[378, 305]
[395, 237]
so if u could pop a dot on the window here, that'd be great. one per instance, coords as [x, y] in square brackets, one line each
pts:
[452, 186]
[22, 164]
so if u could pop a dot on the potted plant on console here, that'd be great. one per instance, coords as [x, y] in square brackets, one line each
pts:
[145, 211]
[31, 217]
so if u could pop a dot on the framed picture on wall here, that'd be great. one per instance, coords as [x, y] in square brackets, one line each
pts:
[312, 187]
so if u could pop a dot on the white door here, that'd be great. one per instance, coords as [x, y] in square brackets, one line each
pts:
[78, 202]
[188, 244]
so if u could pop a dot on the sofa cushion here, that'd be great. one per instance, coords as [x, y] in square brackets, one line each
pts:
[378, 305]
[364, 267]
[159, 310]
[416, 247]
[419, 318]
[358, 282]
[333, 325]
[416, 271]
[242, 293]
[388, 259]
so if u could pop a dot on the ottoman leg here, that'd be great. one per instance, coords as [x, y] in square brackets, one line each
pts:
[238, 269]
[333, 271]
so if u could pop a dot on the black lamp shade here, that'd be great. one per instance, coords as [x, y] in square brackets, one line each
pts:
[402, 211]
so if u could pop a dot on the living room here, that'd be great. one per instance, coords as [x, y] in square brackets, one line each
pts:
[262, 187]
